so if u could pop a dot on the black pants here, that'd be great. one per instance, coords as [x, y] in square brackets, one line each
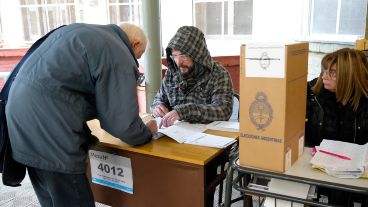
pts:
[343, 198]
[55, 189]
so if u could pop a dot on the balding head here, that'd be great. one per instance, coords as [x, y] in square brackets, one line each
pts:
[137, 38]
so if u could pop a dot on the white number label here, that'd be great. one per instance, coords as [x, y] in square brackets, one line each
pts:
[111, 170]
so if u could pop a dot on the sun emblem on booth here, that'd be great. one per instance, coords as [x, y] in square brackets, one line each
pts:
[264, 61]
[260, 111]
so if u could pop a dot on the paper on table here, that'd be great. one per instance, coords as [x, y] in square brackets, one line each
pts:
[284, 187]
[184, 132]
[180, 130]
[229, 126]
[209, 140]
[338, 167]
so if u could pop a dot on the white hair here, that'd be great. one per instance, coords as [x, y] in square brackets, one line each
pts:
[134, 33]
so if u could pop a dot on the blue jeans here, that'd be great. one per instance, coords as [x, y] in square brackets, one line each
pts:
[55, 189]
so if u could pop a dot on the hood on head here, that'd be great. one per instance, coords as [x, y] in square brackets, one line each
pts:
[190, 41]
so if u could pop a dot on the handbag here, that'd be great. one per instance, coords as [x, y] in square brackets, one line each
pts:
[12, 171]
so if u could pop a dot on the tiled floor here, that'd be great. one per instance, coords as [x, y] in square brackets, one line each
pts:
[24, 196]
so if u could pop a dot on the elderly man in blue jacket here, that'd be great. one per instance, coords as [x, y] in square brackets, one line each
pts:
[80, 72]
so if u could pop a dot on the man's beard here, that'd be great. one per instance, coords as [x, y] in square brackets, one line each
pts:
[187, 71]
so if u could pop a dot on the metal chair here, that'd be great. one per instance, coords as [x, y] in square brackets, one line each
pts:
[235, 115]
[233, 150]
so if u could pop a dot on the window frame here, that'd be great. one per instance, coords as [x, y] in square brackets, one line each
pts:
[230, 21]
[43, 7]
[330, 38]
[134, 5]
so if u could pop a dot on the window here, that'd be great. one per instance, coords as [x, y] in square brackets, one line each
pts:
[220, 18]
[124, 11]
[1, 35]
[342, 18]
[41, 16]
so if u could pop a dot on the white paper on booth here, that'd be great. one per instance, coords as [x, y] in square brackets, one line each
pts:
[265, 60]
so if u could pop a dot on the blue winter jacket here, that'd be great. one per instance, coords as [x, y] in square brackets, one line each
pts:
[79, 73]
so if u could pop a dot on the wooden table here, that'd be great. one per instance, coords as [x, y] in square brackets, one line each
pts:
[165, 173]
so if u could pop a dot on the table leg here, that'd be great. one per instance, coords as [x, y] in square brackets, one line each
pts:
[229, 185]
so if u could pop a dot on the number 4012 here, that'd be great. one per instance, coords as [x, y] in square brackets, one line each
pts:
[111, 169]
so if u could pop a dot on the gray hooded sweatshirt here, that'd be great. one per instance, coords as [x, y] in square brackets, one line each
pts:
[207, 94]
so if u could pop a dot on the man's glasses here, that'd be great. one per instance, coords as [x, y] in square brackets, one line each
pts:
[330, 73]
[179, 57]
[140, 79]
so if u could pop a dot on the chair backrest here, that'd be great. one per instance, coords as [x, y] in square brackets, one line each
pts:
[235, 115]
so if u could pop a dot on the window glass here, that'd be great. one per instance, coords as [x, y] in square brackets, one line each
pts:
[135, 14]
[1, 34]
[338, 17]
[352, 15]
[124, 11]
[243, 17]
[41, 16]
[209, 17]
[113, 14]
[226, 27]
[226, 17]
[324, 16]
[59, 15]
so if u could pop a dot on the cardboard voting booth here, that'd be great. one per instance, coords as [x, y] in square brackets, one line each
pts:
[273, 87]
[361, 44]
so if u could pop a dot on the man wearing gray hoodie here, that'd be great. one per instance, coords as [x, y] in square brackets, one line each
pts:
[195, 88]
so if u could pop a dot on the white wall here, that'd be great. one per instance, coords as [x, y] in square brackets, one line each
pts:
[277, 20]
[12, 26]
[174, 14]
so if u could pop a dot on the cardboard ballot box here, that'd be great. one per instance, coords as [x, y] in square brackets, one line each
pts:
[273, 87]
[361, 44]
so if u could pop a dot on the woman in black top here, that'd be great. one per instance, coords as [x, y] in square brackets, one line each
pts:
[337, 107]
[337, 104]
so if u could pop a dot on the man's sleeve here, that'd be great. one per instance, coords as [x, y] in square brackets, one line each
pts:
[161, 97]
[117, 104]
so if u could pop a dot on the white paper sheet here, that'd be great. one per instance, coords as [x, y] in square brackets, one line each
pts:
[265, 60]
[284, 187]
[184, 132]
[228, 126]
[111, 170]
[209, 140]
[180, 130]
[337, 166]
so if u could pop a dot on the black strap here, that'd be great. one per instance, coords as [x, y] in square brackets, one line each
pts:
[5, 90]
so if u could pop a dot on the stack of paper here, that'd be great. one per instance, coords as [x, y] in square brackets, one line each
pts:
[184, 132]
[289, 188]
[341, 159]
